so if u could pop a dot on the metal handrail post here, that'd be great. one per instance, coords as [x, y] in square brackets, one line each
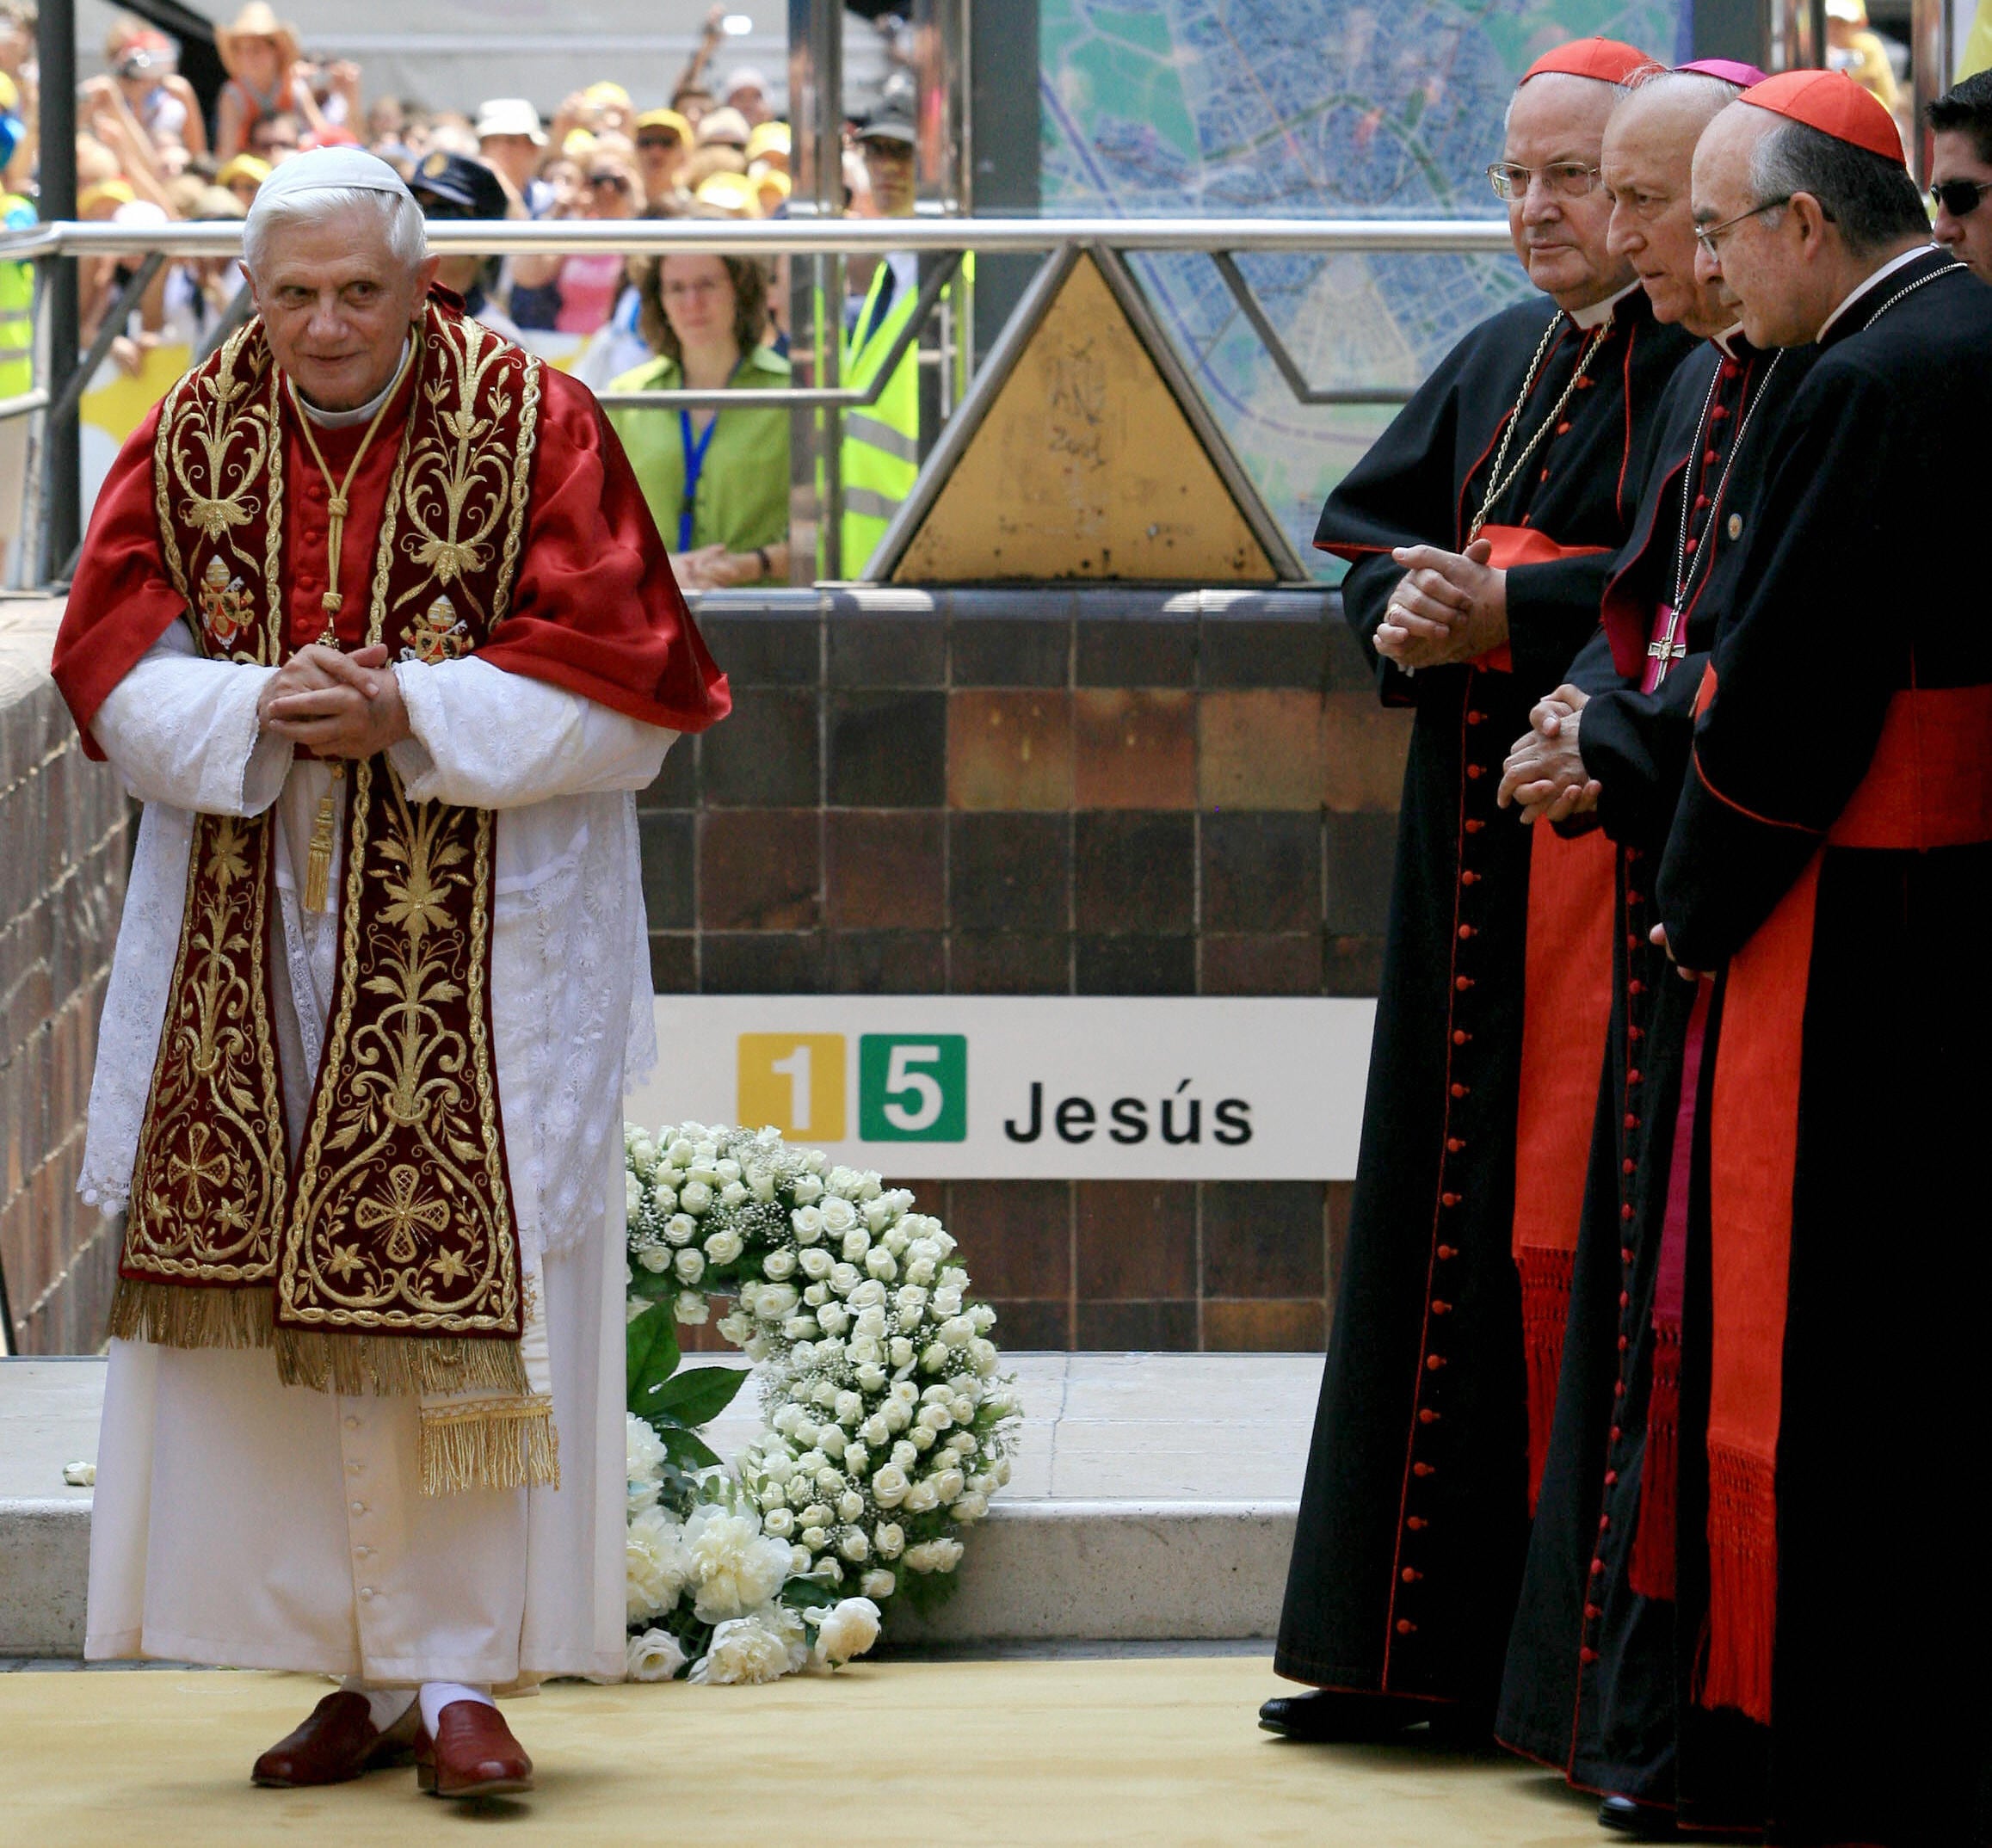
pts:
[816, 90]
[62, 445]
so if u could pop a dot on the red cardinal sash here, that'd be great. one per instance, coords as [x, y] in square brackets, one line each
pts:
[1928, 785]
[1566, 1013]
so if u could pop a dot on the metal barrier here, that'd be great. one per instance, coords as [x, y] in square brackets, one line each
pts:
[818, 409]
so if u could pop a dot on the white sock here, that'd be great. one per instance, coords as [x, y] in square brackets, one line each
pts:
[386, 1704]
[437, 1695]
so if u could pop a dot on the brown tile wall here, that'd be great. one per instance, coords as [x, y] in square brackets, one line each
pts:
[65, 824]
[1098, 792]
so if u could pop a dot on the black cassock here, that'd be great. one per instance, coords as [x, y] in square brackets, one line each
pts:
[1833, 854]
[1590, 1684]
[1414, 1515]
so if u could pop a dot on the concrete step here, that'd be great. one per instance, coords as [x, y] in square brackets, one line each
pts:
[1152, 1498]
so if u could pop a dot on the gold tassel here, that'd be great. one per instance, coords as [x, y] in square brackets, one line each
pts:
[191, 1317]
[493, 1443]
[318, 857]
[398, 1365]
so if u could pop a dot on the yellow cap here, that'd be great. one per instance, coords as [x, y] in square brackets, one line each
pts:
[773, 185]
[105, 192]
[242, 167]
[666, 119]
[578, 146]
[770, 137]
[729, 192]
[605, 96]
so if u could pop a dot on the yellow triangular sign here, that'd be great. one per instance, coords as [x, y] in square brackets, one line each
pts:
[1085, 463]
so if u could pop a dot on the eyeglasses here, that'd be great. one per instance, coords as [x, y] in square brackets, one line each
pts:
[1705, 235]
[681, 291]
[1959, 198]
[1561, 179]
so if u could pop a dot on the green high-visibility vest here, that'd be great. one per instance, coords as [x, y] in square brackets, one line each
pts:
[16, 311]
[881, 448]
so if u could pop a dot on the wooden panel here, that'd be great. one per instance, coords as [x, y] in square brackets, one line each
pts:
[1085, 467]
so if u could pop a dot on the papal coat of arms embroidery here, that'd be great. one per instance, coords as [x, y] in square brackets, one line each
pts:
[437, 635]
[226, 606]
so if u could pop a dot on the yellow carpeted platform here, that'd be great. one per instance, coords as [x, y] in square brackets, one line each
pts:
[954, 1754]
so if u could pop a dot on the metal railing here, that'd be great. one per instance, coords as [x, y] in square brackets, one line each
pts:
[819, 409]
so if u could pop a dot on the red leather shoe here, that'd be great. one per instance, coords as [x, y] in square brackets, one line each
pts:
[337, 1743]
[472, 1754]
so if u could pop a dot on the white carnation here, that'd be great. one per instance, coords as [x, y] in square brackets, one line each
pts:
[642, 1449]
[763, 1647]
[656, 1564]
[734, 1567]
[656, 1655]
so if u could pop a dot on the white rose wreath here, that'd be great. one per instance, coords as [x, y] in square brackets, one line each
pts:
[887, 1427]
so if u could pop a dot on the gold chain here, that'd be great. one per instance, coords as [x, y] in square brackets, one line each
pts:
[1502, 483]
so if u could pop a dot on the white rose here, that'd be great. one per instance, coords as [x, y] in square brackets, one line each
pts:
[970, 1507]
[816, 1264]
[850, 1408]
[735, 1567]
[871, 1377]
[888, 1486]
[890, 1538]
[920, 1271]
[656, 1655]
[690, 1266]
[702, 1169]
[680, 1153]
[881, 1264]
[632, 1195]
[947, 1301]
[905, 1454]
[857, 1461]
[982, 1355]
[748, 1650]
[922, 1498]
[798, 1490]
[895, 1415]
[723, 1247]
[727, 1170]
[934, 1555]
[983, 1317]
[901, 1352]
[855, 1547]
[911, 1301]
[815, 1538]
[778, 1522]
[857, 1242]
[694, 1197]
[806, 1189]
[850, 1505]
[778, 1265]
[876, 1432]
[736, 1328]
[679, 1229]
[869, 1295]
[776, 1301]
[844, 1278]
[849, 1628]
[832, 1441]
[808, 1223]
[824, 1392]
[664, 1198]
[877, 1584]
[834, 1317]
[830, 1482]
[655, 1258]
[922, 1437]
[816, 1295]
[839, 1217]
[844, 1181]
[872, 1321]
[691, 1308]
[799, 1562]
[949, 1484]
[934, 1359]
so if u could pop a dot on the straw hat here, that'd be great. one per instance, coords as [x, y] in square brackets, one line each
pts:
[256, 21]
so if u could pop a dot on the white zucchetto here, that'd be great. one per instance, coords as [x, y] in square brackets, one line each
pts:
[320, 169]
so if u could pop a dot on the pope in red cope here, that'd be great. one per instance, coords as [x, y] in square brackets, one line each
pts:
[372, 619]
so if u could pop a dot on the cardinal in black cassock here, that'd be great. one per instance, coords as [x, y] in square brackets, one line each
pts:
[1591, 1682]
[1832, 855]
[1414, 1515]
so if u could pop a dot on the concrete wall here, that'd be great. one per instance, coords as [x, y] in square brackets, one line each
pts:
[65, 844]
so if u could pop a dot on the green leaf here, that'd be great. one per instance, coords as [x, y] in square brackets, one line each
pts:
[658, 1285]
[698, 1395]
[808, 1594]
[650, 1351]
[685, 1448]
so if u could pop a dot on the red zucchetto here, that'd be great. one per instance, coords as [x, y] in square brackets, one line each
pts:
[1607, 60]
[1835, 105]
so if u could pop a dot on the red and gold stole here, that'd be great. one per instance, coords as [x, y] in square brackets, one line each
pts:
[388, 1258]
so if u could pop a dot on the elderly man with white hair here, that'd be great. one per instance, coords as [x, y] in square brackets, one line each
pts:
[372, 619]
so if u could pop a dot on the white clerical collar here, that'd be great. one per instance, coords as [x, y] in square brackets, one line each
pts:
[1874, 281]
[344, 420]
[1600, 313]
[1726, 340]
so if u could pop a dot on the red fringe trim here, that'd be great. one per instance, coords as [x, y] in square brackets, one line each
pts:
[1545, 1313]
[1653, 1544]
[1743, 1549]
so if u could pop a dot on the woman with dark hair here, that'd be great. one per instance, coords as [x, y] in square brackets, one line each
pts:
[717, 481]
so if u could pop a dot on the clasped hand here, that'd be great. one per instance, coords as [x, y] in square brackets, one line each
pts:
[1448, 606]
[1544, 772]
[338, 704]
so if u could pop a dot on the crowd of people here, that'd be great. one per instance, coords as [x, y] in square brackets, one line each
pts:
[148, 155]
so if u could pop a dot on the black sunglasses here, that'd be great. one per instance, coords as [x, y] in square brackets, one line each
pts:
[1960, 197]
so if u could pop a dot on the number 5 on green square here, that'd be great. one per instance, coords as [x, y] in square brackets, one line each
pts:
[913, 1088]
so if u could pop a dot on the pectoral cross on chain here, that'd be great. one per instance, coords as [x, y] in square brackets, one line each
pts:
[1665, 649]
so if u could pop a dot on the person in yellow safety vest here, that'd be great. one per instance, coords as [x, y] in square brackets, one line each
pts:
[881, 446]
[16, 278]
